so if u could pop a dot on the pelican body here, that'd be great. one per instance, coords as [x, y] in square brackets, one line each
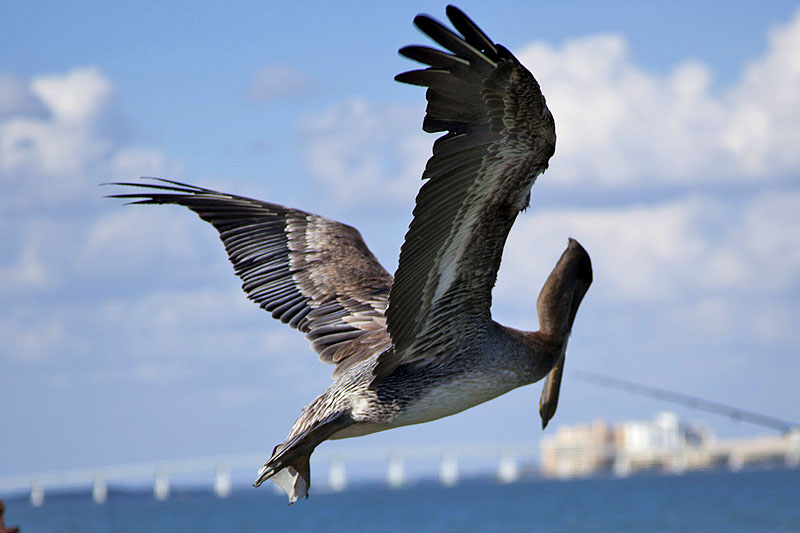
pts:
[420, 345]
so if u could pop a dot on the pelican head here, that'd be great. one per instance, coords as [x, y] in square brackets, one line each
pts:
[563, 291]
[557, 306]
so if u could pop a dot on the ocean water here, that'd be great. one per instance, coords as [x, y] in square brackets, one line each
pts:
[710, 501]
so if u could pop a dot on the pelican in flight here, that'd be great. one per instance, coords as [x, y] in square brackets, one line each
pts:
[421, 345]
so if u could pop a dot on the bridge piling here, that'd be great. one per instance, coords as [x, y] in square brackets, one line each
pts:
[337, 476]
[99, 490]
[396, 473]
[161, 486]
[448, 471]
[37, 494]
[793, 448]
[222, 482]
[507, 469]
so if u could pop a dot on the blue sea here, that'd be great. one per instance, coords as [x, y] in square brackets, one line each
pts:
[709, 501]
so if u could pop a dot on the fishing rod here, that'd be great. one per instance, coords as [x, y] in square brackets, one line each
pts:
[685, 399]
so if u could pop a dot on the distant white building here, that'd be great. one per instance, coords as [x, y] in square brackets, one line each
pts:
[633, 445]
[664, 432]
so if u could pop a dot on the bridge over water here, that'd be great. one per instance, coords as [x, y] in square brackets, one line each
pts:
[507, 457]
[572, 459]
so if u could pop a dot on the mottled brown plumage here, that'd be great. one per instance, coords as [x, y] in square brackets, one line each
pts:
[424, 345]
[312, 273]
[500, 136]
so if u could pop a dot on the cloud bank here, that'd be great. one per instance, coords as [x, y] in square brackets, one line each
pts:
[619, 126]
[57, 135]
[665, 252]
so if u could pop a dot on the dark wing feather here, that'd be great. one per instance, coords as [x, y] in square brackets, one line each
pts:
[312, 273]
[499, 137]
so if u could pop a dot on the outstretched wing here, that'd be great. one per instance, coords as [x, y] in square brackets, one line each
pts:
[500, 136]
[312, 273]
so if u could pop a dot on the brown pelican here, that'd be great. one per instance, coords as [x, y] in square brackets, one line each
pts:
[424, 345]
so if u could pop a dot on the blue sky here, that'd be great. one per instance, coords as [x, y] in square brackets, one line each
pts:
[125, 336]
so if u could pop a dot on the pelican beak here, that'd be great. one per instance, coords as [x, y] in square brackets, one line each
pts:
[552, 385]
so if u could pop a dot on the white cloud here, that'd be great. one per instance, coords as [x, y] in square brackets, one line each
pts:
[367, 153]
[279, 82]
[37, 252]
[694, 247]
[50, 152]
[764, 124]
[775, 322]
[187, 323]
[164, 310]
[618, 124]
[27, 270]
[78, 96]
[56, 143]
[156, 234]
[32, 338]
[65, 142]
[770, 235]
[53, 250]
